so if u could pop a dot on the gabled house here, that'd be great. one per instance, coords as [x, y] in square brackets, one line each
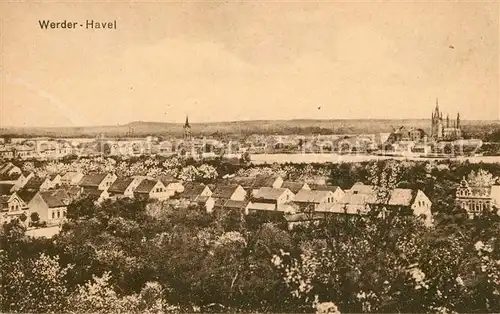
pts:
[172, 185]
[100, 195]
[360, 199]
[71, 178]
[153, 189]
[124, 187]
[100, 181]
[24, 151]
[6, 152]
[194, 190]
[476, 199]
[38, 184]
[22, 180]
[270, 181]
[338, 193]
[51, 206]
[252, 184]
[12, 207]
[9, 173]
[207, 202]
[247, 183]
[413, 202]
[295, 187]
[6, 189]
[271, 199]
[229, 192]
[310, 201]
[9, 169]
[225, 204]
[11, 178]
[26, 195]
[55, 180]
[73, 191]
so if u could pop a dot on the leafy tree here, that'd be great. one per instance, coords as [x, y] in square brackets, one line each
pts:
[481, 178]
[36, 285]
[23, 217]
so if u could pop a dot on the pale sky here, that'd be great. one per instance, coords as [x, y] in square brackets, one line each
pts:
[224, 61]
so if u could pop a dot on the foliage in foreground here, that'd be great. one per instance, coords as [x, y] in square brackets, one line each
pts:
[130, 257]
[133, 256]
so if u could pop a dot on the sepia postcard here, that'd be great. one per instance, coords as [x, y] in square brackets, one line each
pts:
[249, 156]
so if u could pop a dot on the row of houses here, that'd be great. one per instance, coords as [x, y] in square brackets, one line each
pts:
[57, 149]
[298, 202]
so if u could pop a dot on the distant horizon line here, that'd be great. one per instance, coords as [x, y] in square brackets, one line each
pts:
[226, 122]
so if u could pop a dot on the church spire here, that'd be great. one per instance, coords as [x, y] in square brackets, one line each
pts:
[187, 130]
[437, 114]
[458, 120]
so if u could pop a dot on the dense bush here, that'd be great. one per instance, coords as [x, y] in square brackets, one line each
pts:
[135, 256]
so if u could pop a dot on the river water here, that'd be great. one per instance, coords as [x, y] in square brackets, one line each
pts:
[336, 158]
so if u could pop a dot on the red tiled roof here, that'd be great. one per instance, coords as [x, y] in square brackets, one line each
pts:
[265, 180]
[293, 186]
[10, 177]
[323, 187]
[245, 182]
[166, 180]
[92, 191]
[5, 188]
[267, 193]
[192, 190]
[120, 185]
[34, 183]
[57, 198]
[236, 204]
[224, 191]
[306, 196]
[92, 179]
[146, 186]
[26, 195]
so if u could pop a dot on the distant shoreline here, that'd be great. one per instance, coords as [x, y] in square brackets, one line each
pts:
[337, 158]
[247, 127]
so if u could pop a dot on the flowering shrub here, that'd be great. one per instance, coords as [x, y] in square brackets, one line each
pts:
[37, 285]
[125, 257]
[98, 296]
[202, 173]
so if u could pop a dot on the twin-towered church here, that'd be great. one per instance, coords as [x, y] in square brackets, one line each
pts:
[442, 129]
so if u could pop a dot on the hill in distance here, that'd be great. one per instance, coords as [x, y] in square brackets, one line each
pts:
[243, 128]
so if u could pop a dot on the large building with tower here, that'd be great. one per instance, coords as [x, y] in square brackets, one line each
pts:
[444, 129]
[187, 130]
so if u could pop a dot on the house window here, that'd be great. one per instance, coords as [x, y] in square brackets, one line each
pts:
[64, 214]
[58, 214]
[53, 215]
